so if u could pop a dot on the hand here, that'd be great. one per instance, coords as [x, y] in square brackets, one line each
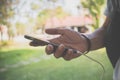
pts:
[68, 38]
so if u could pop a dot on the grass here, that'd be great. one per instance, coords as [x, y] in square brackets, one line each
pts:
[33, 64]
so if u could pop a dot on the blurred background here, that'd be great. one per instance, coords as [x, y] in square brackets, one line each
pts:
[19, 61]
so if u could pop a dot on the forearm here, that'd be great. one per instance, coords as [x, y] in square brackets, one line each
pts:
[97, 37]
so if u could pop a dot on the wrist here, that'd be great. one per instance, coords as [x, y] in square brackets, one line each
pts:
[88, 43]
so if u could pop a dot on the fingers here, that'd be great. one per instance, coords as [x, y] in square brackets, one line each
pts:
[60, 51]
[55, 31]
[38, 43]
[49, 49]
[70, 54]
[33, 43]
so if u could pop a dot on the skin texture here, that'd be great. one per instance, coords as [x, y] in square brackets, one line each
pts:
[73, 40]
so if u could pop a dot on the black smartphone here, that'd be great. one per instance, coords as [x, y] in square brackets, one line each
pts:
[40, 41]
[45, 42]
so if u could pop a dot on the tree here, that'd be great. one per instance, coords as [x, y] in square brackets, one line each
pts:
[7, 11]
[48, 12]
[95, 8]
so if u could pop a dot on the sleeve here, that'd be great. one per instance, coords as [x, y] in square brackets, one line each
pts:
[109, 9]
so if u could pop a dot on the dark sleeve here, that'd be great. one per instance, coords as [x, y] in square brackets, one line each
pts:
[109, 9]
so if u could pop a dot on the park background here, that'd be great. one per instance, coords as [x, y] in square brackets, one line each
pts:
[19, 61]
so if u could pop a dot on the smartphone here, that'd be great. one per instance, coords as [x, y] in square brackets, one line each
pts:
[40, 41]
[45, 42]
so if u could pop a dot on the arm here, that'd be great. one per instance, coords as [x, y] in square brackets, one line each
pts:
[97, 37]
[79, 42]
[74, 40]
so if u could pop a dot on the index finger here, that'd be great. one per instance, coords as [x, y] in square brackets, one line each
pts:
[55, 31]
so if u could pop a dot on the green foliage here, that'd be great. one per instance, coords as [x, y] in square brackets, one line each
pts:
[59, 13]
[6, 10]
[4, 44]
[9, 10]
[94, 7]
[48, 14]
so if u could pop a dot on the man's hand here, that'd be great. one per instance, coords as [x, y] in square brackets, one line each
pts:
[67, 39]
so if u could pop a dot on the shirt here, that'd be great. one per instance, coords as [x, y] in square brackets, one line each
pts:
[109, 8]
